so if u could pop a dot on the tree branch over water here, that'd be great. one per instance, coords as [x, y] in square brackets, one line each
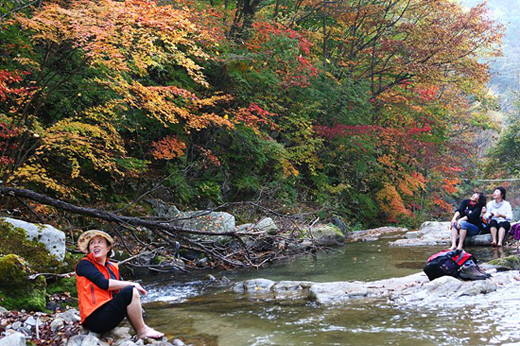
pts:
[222, 254]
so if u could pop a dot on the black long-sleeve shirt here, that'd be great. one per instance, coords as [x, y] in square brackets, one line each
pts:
[471, 211]
[88, 269]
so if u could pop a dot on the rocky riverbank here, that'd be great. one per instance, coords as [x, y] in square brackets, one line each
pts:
[411, 289]
[19, 328]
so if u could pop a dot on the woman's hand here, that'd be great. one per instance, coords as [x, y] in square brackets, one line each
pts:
[139, 288]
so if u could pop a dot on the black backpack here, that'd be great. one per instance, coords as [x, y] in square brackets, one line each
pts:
[447, 262]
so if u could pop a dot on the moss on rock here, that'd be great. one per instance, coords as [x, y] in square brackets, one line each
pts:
[14, 240]
[511, 262]
[13, 271]
[16, 290]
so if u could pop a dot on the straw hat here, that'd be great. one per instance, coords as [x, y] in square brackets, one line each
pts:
[85, 237]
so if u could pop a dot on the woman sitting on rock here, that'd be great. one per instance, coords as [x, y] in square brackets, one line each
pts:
[467, 220]
[104, 299]
[498, 215]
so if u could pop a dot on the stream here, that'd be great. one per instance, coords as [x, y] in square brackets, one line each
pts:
[192, 309]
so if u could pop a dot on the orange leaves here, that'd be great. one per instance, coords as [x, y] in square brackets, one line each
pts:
[449, 185]
[391, 203]
[443, 205]
[168, 148]
[133, 35]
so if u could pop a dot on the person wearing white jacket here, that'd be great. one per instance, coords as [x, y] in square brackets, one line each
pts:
[498, 216]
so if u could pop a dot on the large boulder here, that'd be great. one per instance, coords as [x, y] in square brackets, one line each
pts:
[327, 235]
[214, 222]
[14, 240]
[52, 238]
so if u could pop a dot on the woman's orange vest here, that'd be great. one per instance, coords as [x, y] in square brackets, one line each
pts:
[90, 296]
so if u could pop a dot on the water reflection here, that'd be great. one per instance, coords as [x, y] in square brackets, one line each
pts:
[200, 314]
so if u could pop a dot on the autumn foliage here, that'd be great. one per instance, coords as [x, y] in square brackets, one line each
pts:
[360, 107]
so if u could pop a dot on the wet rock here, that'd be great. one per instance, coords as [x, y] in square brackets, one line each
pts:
[177, 342]
[210, 277]
[15, 339]
[2, 310]
[510, 262]
[256, 285]
[336, 292]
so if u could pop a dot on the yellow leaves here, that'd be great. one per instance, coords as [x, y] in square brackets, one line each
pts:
[288, 168]
[36, 174]
[333, 190]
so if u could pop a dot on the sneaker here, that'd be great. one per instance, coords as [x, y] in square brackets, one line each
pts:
[471, 273]
[479, 269]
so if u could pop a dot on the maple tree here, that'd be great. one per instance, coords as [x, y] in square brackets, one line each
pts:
[123, 44]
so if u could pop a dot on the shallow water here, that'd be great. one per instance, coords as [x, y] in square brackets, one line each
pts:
[189, 309]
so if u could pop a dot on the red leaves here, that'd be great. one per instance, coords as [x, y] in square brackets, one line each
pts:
[284, 51]
[254, 116]
[7, 78]
[340, 130]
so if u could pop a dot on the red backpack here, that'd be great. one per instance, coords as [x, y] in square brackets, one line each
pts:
[446, 262]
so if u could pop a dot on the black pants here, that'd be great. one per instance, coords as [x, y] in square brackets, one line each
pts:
[110, 314]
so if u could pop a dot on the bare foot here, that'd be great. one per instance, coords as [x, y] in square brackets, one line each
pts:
[499, 245]
[150, 333]
[459, 248]
[493, 243]
[453, 247]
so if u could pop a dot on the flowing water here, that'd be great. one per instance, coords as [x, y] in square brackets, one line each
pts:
[188, 308]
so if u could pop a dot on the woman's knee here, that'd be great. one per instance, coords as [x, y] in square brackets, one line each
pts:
[128, 294]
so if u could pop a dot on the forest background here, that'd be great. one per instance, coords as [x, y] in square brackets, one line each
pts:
[372, 111]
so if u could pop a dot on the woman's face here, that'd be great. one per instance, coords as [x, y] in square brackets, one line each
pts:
[497, 194]
[474, 197]
[98, 246]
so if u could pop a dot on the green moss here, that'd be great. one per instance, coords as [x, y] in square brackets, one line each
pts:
[30, 296]
[13, 240]
[13, 271]
[512, 262]
[63, 285]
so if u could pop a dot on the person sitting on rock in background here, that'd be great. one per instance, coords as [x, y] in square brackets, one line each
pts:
[105, 299]
[498, 216]
[467, 220]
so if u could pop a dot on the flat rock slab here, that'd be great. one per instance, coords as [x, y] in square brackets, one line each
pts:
[411, 289]
[375, 233]
[433, 233]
